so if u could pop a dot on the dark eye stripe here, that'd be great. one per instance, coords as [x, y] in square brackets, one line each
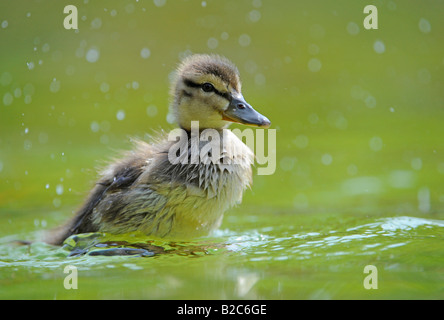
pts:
[224, 95]
[192, 84]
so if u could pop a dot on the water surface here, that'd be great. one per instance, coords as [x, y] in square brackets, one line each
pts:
[359, 158]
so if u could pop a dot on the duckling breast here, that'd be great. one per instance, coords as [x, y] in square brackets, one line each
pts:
[197, 195]
[147, 192]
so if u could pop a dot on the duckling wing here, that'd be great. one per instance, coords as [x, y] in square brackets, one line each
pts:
[122, 179]
[116, 178]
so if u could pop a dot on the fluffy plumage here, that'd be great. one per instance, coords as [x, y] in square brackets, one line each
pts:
[144, 191]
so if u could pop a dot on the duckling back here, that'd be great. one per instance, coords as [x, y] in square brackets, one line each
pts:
[148, 193]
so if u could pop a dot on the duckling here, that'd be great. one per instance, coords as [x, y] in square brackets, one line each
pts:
[145, 191]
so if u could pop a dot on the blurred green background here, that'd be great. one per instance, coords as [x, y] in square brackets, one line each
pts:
[358, 113]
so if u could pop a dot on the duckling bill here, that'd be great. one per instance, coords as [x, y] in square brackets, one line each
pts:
[144, 191]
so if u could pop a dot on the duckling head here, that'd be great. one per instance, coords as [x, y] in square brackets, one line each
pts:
[207, 88]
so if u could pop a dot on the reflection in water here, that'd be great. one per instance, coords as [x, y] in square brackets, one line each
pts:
[240, 264]
[245, 283]
[256, 246]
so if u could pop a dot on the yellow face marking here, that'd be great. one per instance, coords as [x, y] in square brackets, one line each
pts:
[217, 82]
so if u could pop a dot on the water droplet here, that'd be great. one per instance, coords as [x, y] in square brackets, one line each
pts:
[8, 99]
[151, 110]
[416, 163]
[244, 40]
[159, 3]
[56, 202]
[314, 65]
[424, 200]
[104, 87]
[401, 179]
[376, 144]
[362, 185]
[27, 144]
[254, 15]
[370, 101]
[129, 8]
[337, 120]
[30, 65]
[424, 25]
[313, 49]
[145, 53]
[96, 23]
[17, 92]
[59, 189]
[257, 3]
[326, 159]
[352, 28]
[92, 55]
[212, 43]
[94, 126]
[170, 118]
[45, 47]
[54, 86]
[120, 115]
[379, 46]
[391, 5]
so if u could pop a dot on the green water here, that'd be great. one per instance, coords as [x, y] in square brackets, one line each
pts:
[360, 155]
[325, 259]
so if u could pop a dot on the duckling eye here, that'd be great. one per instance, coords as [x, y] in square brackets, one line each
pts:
[207, 87]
